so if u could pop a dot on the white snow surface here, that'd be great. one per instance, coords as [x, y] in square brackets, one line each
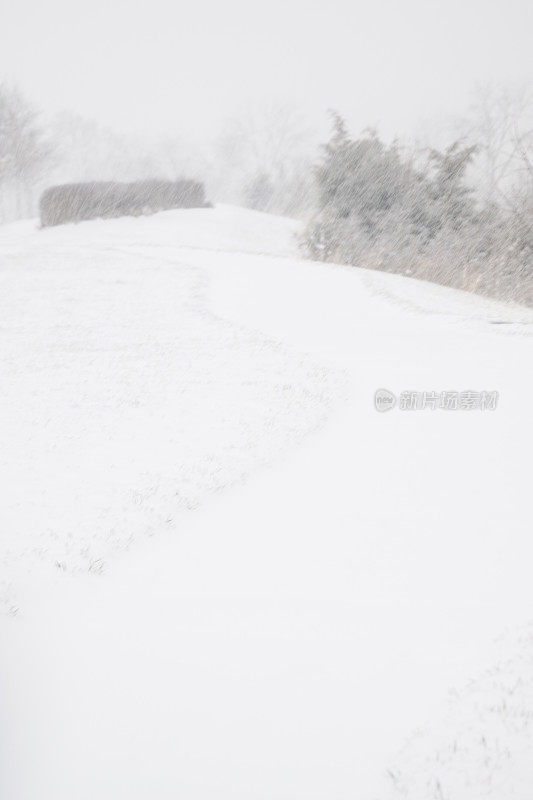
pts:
[223, 573]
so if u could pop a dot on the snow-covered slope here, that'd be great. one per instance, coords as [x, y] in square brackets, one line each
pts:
[281, 638]
[126, 399]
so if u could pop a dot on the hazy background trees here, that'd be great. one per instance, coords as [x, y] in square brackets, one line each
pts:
[499, 121]
[459, 212]
[67, 148]
[25, 154]
[263, 158]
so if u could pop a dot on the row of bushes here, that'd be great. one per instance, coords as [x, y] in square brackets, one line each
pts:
[74, 202]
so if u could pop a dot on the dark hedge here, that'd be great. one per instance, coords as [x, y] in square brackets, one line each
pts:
[72, 202]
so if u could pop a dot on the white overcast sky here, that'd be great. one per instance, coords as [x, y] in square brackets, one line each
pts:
[161, 66]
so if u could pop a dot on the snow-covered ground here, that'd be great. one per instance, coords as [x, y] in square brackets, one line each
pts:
[224, 574]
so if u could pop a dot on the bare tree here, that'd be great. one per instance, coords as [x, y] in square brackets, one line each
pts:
[497, 122]
[24, 152]
[265, 146]
[88, 151]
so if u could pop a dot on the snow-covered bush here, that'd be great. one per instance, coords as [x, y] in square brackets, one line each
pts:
[379, 210]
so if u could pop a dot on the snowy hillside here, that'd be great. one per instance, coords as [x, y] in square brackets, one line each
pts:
[224, 574]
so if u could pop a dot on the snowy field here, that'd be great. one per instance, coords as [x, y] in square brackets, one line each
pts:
[223, 573]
